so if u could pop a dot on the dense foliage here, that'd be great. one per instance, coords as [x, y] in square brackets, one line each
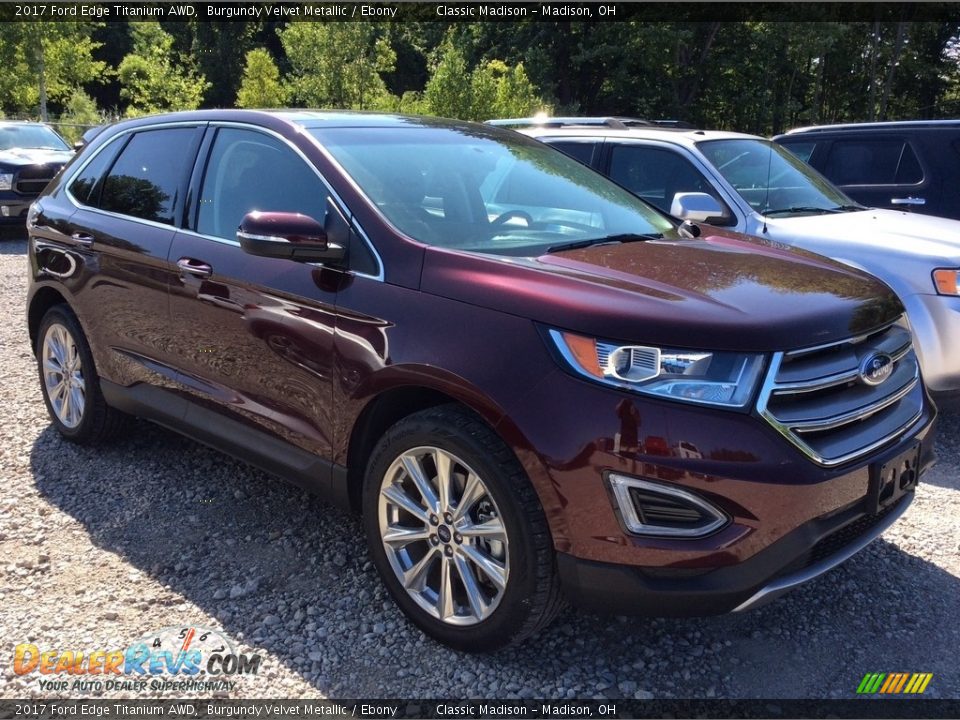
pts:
[755, 76]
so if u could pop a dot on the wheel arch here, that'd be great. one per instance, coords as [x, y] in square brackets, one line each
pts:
[43, 299]
[402, 392]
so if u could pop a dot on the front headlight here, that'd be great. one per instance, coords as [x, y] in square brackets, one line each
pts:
[728, 379]
[6, 181]
[946, 280]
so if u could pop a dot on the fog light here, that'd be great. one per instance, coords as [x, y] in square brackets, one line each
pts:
[5, 210]
[649, 508]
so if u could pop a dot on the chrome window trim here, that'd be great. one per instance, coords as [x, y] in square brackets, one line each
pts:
[217, 123]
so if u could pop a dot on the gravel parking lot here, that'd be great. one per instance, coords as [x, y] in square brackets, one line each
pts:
[99, 547]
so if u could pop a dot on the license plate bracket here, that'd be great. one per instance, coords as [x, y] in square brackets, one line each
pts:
[890, 480]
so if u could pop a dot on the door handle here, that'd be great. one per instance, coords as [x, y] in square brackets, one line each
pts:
[82, 239]
[193, 267]
[908, 201]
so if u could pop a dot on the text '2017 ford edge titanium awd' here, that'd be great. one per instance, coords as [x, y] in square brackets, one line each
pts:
[531, 384]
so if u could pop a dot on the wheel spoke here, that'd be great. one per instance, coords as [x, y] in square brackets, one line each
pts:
[398, 496]
[414, 576]
[81, 384]
[472, 492]
[487, 565]
[76, 404]
[445, 596]
[477, 603]
[65, 406]
[414, 469]
[492, 529]
[52, 367]
[444, 465]
[402, 536]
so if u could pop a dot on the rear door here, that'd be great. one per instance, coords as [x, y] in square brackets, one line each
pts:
[130, 197]
[881, 170]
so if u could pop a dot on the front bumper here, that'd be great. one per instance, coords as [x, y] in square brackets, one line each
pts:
[14, 207]
[804, 554]
[935, 321]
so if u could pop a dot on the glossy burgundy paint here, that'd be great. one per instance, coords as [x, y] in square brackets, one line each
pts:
[302, 354]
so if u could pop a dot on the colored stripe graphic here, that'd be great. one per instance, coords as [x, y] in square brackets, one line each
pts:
[894, 683]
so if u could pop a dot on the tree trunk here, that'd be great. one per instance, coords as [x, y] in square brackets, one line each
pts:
[895, 58]
[43, 83]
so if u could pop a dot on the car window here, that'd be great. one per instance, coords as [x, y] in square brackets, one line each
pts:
[145, 179]
[249, 170]
[770, 178]
[86, 186]
[33, 137]
[485, 190]
[802, 150]
[656, 175]
[872, 162]
[578, 150]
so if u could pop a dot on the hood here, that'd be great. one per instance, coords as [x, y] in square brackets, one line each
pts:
[16, 157]
[900, 248]
[723, 291]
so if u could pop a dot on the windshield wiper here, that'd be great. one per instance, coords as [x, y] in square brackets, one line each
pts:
[801, 209]
[621, 238]
[849, 208]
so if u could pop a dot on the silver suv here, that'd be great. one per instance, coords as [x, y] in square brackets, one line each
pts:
[754, 186]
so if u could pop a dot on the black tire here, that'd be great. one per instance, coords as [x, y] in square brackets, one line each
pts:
[98, 422]
[531, 597]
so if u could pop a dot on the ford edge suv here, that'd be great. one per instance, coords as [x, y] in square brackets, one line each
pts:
[533, 386]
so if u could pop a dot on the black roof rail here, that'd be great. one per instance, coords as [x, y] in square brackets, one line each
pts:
[877, 125]
[616, 123]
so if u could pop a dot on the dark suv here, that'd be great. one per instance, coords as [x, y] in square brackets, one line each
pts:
[900, 165]
[530, 383]
[31, 154]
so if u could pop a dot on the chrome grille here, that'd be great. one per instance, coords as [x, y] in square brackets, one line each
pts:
[32, 180]
[817, 399]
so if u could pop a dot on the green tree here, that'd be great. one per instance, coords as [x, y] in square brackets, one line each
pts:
[338, 64]
[260, 87]
[448, 92]
[45, 62]
[154, 80]
[80, 110]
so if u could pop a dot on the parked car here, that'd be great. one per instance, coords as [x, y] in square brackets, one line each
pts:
[751, 185]
[531, 384]
[912, 166]
[31, 154]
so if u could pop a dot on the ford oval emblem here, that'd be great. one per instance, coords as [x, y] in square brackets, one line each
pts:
[876, 368]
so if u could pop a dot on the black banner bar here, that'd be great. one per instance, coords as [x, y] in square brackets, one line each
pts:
[493, 709]
[476, 11]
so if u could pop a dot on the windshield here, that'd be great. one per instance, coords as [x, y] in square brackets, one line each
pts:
[30, 137]
[486, 190]
[771, 179]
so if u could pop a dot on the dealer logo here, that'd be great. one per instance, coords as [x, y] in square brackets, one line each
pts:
[876, 368]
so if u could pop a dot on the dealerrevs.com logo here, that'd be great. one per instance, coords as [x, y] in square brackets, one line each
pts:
[181, 659]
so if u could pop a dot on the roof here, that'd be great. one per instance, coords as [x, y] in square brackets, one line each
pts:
[887, 125]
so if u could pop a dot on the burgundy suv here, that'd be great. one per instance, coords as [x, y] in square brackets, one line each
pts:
[531, 384]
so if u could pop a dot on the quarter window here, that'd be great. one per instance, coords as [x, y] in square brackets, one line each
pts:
[251, 171]
[146, 179]
[582, 151]
[86, 186]
[873, 162]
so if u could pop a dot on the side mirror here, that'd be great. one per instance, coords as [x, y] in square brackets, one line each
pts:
[286, 235]
[695, 206]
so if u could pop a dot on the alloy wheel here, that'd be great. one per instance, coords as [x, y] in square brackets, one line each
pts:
[443, 535]
[63, 375]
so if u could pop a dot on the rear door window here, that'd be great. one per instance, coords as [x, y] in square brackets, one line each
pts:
[148, 176]
[887, 161]
[577, 149]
